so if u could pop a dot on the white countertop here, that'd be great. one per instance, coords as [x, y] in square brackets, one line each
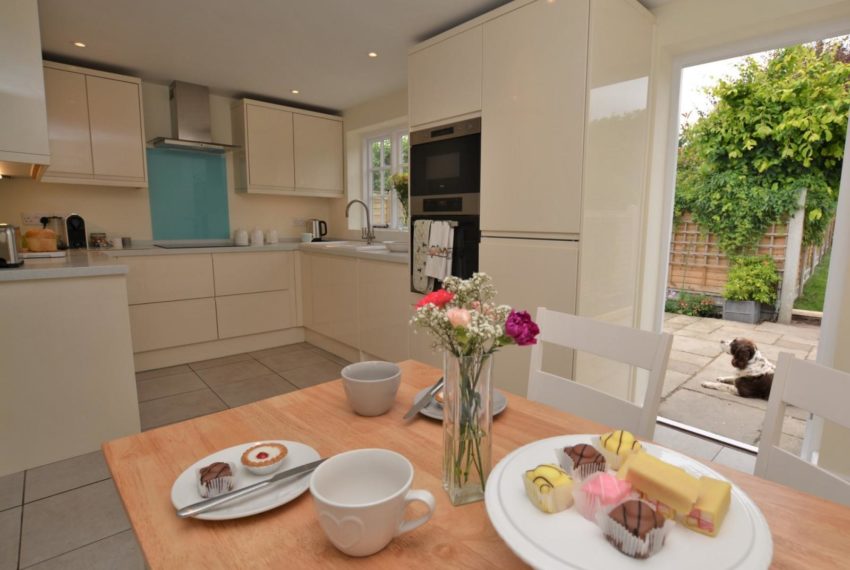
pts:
[92, 263]
[78, 263]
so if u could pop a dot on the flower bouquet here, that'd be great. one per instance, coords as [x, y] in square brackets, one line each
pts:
[469, 327]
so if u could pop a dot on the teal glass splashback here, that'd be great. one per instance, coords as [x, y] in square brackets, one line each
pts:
[188, 194]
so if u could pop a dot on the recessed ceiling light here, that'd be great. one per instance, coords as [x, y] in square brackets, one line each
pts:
[373, 54]
[79, 44]
[295, 91]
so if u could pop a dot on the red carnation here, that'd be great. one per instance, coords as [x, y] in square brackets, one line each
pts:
[438, 298]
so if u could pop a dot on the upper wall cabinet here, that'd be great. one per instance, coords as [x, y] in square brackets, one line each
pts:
[532, 118]
[445, 78]
[95, 127]
[286, 151]
[23, 123]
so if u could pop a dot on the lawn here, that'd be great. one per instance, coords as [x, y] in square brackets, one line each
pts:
[813, 292]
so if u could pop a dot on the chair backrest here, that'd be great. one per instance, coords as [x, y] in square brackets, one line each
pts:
[634, 347]
[823, 391]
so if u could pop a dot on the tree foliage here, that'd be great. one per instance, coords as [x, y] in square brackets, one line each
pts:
[774, 130]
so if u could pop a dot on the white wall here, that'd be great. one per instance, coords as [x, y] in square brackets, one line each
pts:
[385, 111]
[696, 31]
[126, 211]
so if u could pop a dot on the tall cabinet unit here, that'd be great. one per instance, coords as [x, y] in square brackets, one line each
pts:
[95, 127]
[564, 139]
[23, 124]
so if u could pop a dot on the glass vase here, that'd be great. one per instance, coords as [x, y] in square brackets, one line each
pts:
[467, 426]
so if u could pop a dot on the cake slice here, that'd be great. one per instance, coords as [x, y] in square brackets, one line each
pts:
[711, 507]
[669, 488]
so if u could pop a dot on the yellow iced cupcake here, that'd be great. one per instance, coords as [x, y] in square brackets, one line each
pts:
[616, 446]
[549, 488]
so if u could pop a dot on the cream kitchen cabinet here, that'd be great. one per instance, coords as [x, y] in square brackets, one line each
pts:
[330, 296]
[445, 78]
[286, 151]
[95, 127]
[158, 278]
[24, 148]
[383, 309]
[175, 323]
[533, 115]
[249, 272]
[252, 313]
[318, 153]
[558, 262]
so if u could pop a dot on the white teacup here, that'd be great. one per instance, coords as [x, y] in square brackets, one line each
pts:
[360, 497]
[371, 386]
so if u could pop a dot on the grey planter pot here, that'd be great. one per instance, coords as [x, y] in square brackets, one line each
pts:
[742, 311]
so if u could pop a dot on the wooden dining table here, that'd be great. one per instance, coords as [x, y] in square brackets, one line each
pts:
[808, 532]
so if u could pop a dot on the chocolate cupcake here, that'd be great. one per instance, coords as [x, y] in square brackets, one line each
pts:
[634, 528]
[581, 460]
[215, 479]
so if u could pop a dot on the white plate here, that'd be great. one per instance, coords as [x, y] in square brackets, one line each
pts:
[567, 540]
[184, 492]
[435, 411]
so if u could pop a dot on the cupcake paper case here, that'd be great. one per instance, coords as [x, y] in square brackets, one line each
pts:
[216, 478]
[634, 528]
[590, 460]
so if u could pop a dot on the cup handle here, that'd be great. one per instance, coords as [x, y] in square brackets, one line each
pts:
[423, 497]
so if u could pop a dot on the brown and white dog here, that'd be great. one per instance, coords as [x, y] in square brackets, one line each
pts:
[754, 376]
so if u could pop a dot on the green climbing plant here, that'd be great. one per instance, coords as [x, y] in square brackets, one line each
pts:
[776, 129]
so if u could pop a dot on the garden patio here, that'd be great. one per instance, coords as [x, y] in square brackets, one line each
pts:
[696, 356]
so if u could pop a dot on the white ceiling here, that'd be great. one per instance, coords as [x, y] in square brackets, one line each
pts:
[261, 48]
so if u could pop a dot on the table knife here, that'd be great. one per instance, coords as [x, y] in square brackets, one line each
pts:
[207, 504]
[424, 400]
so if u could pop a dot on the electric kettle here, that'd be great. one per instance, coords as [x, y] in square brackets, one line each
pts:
[317, 227]
[10, 255]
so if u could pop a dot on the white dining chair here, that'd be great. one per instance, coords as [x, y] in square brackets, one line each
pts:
[642, 349]
[814, 388]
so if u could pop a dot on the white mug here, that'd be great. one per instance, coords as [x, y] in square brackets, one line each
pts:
[257, 237]
[371, 386]
[306, 237]
[360, 497]
[271, 236]
[117, 243]
[240, 237]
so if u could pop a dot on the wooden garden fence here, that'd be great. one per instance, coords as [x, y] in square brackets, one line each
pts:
[697, 264]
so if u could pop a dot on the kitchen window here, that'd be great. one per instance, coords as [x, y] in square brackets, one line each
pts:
[384, 155]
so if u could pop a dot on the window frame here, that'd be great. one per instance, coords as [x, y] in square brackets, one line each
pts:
[397, 164]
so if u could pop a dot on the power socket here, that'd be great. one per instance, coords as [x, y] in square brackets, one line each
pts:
[299, 222]
[33, 218]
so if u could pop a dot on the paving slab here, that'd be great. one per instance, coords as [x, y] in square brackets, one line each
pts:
[723, 417]
[672, 381]
[703, 326]
[696, 346]
[689, 357]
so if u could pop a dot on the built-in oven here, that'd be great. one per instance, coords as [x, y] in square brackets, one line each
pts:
[445, 173]
[446, 160]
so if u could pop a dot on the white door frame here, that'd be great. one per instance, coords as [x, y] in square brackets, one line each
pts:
[841, 244]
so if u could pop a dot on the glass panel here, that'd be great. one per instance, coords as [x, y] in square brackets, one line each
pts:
[376, 153]
[405, 150]
[388, 152]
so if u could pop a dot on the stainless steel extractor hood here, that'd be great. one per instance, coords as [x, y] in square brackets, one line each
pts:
[190, 120]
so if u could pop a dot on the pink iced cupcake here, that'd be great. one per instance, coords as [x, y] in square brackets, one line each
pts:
[599, 492]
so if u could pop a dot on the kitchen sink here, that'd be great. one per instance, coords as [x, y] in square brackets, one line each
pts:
[355, 245]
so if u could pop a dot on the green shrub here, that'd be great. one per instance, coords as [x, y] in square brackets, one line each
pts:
[752, 278]
[692, 304]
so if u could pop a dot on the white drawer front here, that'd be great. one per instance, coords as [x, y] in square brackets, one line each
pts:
[240, 315]
[245, 272]
[176, 323]
[157, 278]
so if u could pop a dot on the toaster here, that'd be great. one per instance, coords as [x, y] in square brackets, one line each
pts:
[10, 255]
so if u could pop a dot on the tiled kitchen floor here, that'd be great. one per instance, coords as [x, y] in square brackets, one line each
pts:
[68, 516]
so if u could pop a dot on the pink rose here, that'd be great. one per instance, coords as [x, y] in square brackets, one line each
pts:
[458, 317]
